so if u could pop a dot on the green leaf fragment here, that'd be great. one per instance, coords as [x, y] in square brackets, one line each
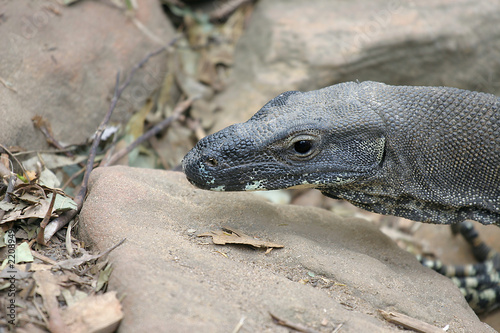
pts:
[6, 206]
[23, 253]
[22, 178]
[103, 278]
[73, 298]
[62, 203]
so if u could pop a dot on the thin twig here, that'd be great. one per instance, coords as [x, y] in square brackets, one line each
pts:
[67, 216]
[43, 258]
[62, 220]
[42, 315]
[409, 322]
[146, 31]
[226, 9]
[7, 85]
[56, 224]
[289, 324]
[179, 109]
[239, 325]
[337, 329]
[45, 151]
[73, 262]
[17, 161]
[44, 126]
[46, 218]
[142, 63]
[67, 240]
[73, 176]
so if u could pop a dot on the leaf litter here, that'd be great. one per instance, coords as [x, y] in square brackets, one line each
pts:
[59, 285]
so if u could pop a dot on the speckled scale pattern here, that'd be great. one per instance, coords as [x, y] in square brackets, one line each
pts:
[430, 154]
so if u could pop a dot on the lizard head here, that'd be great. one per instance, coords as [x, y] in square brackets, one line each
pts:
[315, 139]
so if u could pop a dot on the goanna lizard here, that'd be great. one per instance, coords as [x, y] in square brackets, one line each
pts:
[429, 154]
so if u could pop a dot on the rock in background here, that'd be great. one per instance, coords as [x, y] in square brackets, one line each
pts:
[306, 45]
[61, 62]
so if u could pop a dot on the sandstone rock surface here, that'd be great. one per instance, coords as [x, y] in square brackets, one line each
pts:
[331, 270]
[61, 62]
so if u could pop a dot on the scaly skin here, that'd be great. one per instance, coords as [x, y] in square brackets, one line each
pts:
[430, 154]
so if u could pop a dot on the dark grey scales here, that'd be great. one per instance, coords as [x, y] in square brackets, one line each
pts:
[429, 154]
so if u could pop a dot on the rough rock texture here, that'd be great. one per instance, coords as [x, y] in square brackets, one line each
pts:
[61, 63]
[177, 282]
[299, 45]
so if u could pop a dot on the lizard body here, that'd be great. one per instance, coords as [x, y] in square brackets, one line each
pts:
[430, 154]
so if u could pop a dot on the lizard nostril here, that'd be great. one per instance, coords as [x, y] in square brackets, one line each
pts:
[211, 161]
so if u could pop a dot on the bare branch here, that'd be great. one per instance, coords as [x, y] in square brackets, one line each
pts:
[67, 216]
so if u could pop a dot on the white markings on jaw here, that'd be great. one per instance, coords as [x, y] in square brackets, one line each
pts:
[320, 183]
[255, 186]
[220, 188]
[202, 168]
[204, 172]
[305, 184]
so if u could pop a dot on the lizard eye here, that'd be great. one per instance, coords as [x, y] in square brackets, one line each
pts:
[302, 147]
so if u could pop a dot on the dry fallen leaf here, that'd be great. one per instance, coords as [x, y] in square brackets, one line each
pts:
[34, 201]
[103, 278]
[74, 262]
[47, 286]
[232, 236]
[98, 313]
[73, 298]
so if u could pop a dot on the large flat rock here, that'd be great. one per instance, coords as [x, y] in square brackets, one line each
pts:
[331, 270]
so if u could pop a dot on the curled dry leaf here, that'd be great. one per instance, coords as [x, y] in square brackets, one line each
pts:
[73, 262]
[97, 313]
[232, 236]
[34, 201]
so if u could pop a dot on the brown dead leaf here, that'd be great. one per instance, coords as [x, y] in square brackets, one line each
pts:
[47, 286]
[232, 236]
[34, 267]
[74, 262]
[73, 297]
[98, 313]
[32, 175]
[35, 201]
[30, 328]
[74, 279]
